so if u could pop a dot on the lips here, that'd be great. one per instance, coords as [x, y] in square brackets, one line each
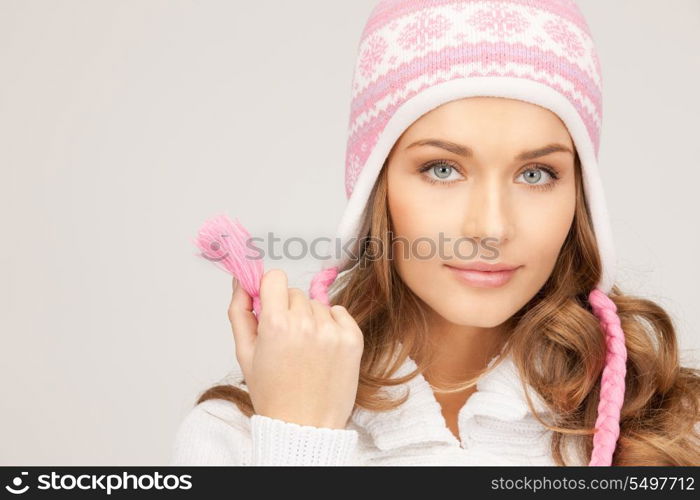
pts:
[485, 266]
[475, 276]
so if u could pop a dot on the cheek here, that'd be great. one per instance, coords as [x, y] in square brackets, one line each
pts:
[412, 207]
[415, 224]
[542, 230]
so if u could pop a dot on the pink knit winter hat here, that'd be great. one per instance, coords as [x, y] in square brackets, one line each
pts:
[415, 55]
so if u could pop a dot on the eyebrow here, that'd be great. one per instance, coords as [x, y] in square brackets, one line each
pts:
[466, 152]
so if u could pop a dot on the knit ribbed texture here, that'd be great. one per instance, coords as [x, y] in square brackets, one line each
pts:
[276, 442]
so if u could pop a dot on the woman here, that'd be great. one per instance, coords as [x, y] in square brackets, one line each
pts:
[474, 138]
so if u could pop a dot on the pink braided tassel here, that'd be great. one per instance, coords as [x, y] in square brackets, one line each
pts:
[612, 385]
[318, 289]
[225, 243]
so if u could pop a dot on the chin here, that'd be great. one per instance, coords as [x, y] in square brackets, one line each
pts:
[473, 316]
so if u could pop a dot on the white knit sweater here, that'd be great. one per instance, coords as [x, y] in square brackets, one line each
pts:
[495, 427]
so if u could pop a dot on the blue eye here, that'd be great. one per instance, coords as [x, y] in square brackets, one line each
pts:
[439, 172]
[534, 175]
[442, 171]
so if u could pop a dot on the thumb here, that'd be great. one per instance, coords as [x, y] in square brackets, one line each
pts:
[244, 325]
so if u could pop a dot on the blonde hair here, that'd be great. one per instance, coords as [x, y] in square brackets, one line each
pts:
[555, 331]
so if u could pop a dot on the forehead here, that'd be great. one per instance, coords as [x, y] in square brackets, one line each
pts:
[482, 122]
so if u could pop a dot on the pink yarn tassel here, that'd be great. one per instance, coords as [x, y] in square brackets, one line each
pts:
[318, 289]
[612, 385]
[225, 243]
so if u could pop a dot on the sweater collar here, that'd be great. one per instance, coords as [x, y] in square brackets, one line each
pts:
[419, 419]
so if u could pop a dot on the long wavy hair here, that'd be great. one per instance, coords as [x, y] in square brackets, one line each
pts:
[555, 339]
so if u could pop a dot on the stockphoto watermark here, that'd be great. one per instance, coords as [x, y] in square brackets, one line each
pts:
[362, 250]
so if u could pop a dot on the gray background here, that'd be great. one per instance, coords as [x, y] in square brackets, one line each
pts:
[125, 124]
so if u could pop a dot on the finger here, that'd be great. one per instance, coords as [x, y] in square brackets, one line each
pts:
[274, 295]
[322, 313]
[299, 302]
[244, 325]
[341, 315]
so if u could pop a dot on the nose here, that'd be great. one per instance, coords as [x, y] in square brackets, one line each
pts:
[487, 212]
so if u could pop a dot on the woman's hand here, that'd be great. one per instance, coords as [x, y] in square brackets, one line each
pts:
[300, 359]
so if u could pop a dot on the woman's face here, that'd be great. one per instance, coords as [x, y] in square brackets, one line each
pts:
[488, 196]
